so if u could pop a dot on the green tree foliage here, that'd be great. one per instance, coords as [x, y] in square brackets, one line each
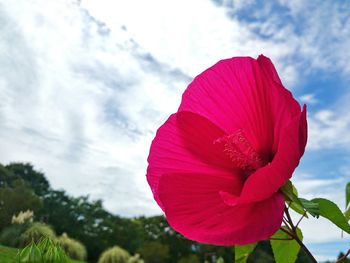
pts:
[82, 219]
[155, 252]
[211, 253]
[35, 179]
[73, 248]
[129, 233]
[114, 255]
[156, 228]
[189, 259]
[10, 236]
[6, 176]
[18, 197]
[36, 232]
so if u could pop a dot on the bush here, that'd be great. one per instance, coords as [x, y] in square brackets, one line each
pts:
[155, 252]
[136, 259]
[114, 255]
[10, 236]
[189, 259]
[36, 232]
[72, 247]
[19, 197]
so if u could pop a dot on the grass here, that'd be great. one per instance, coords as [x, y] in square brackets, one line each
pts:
[9, 255]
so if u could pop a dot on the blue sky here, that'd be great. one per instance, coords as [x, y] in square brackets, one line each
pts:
[85, 84]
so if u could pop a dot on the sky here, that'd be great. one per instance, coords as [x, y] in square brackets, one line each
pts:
[84, 85]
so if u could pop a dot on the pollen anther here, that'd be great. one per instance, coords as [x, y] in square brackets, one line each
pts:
[240, 151]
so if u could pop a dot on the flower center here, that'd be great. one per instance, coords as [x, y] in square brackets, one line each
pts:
[242, 154]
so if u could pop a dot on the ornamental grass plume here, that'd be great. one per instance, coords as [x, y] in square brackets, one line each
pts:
[23, 217]
[72, 247]
[36, 232]
[114, 255]
[216, 166]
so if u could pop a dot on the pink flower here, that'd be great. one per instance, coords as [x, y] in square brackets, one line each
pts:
[216, 166]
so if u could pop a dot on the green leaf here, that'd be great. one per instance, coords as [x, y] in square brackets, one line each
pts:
[291, 195]
[331, 211]
[297, 208]
[242, 252]
[347, 214]
[295, 191]
[285, 251]
[30, 254]
[347, 195]
[287, 190]
[311, 207]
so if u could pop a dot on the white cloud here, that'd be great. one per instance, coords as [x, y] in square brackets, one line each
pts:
[310, 186]
[75, 103]
[309, 99]
[190, 35]
[317, 41]
[329, 129]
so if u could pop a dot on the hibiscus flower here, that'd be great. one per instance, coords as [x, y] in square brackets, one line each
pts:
[216, 166]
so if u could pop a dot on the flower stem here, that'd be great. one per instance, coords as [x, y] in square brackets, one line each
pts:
[306, 250]
[293, 233]
[343, 257]
[301, 218]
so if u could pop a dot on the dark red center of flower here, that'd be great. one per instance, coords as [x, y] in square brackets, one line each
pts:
[240, 151]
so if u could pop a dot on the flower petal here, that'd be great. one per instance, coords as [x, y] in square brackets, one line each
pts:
[193, 206]
[185, 143]
[268, 180]
[267, 65]
[302, 132]
[243, 93]
[284, 106]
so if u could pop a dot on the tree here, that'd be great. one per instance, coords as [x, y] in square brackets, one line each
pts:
[128, 233]
[14, 199]
[84, 220]
[6, 176]
[35, 179]
[156, 228]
